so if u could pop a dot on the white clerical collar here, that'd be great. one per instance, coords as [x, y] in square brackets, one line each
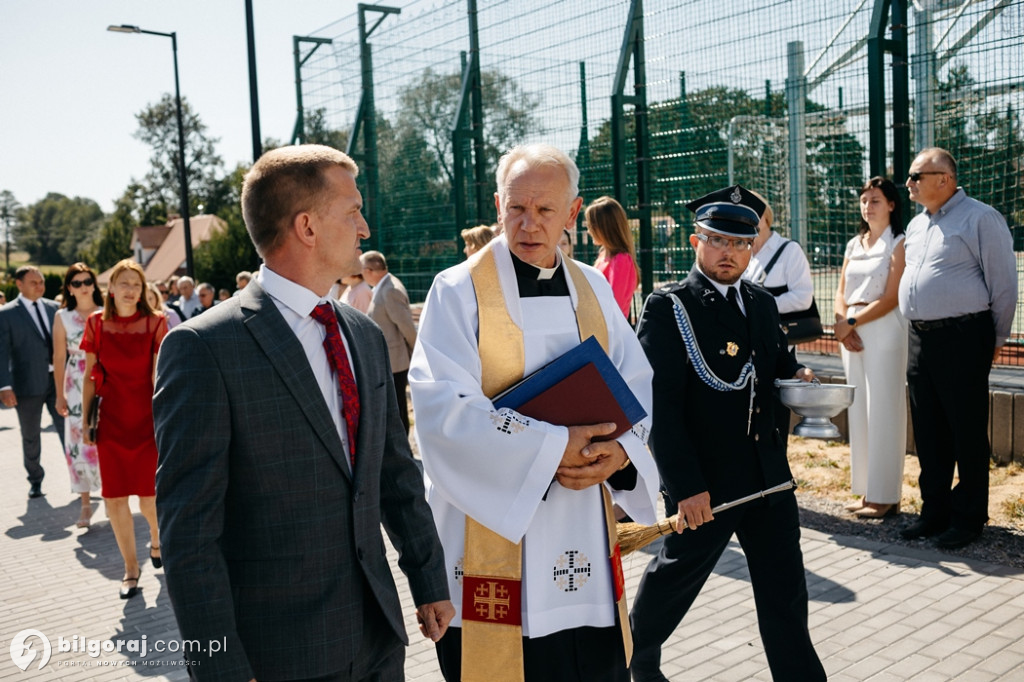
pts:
[295, 296]
[722, 288]
[542, 273]
[547, 273]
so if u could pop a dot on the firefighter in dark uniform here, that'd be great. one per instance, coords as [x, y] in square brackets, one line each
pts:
[716, 347]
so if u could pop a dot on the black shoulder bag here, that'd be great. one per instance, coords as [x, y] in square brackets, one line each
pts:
[800, 326]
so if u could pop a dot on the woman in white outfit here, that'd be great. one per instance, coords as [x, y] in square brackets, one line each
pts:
[874, 338]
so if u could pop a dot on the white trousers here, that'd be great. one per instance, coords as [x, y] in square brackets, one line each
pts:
[878, 415]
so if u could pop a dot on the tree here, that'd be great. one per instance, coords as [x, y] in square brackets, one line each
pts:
[317, 131]
[10, 209]
[230, 251]
[689, 141]
[113, 242]
[57, 229]
[429, 105]
[158, 127]
[985, 138]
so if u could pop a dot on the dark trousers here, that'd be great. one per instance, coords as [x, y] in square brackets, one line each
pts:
[381, 655]
[30, 415]
[401, 380]
[580, 654]
[769, 532]
[947, 374]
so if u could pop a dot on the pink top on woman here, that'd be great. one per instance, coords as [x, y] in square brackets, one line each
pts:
[621, 274]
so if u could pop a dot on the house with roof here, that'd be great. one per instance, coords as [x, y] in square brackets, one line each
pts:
[160, 249]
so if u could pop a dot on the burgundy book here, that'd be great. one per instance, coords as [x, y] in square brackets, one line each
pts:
[580, 387]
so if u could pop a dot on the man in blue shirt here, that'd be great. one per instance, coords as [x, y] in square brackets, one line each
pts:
[959, 292]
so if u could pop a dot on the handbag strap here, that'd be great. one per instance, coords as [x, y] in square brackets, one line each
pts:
[775, 258]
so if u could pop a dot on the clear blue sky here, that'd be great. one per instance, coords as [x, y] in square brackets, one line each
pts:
[69, 89]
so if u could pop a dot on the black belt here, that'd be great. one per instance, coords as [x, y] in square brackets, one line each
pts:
[928, 325]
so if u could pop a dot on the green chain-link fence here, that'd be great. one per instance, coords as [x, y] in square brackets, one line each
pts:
[772, 94]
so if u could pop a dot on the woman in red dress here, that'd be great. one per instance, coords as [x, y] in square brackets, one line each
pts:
[121, 343]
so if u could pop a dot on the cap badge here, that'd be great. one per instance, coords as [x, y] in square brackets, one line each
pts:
[736, 196]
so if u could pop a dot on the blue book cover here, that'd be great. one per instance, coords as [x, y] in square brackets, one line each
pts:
[569, 364]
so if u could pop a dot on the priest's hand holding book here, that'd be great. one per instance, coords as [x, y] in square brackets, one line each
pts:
[587, 462]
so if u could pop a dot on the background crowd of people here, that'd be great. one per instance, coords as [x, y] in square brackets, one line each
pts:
[911, 308]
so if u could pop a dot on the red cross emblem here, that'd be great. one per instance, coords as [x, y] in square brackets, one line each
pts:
[492, 600]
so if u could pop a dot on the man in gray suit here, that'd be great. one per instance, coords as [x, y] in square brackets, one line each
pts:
[279, 461]
[389, 308]
[26, 367]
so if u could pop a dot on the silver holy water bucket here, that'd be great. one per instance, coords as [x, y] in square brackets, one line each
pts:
[816, 403]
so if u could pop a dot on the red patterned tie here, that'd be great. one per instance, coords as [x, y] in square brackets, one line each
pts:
[335, 347]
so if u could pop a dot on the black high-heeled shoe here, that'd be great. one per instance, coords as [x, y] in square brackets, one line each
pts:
[157, 561]
[129, 592]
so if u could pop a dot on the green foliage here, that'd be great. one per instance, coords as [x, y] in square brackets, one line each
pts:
[689, 148]
[227, 253]
[57, 229]
[318, 132]
[10, 211]
[986, 142]
[158, 127]
[113, 242]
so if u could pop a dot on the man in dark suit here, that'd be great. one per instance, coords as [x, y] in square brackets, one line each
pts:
[716, 347]
[281, 454]
[389, 308]
[26, 367]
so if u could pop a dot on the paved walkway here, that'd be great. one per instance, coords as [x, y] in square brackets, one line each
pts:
[878, 613]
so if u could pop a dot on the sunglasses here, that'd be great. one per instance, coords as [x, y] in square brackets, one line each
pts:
[914, 177]
[78, 283]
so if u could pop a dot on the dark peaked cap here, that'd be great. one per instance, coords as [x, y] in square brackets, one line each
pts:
[731, 211]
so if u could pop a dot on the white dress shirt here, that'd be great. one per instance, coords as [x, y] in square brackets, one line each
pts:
[296, 303]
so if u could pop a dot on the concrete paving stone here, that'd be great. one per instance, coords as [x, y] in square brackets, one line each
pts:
[993, 643]
[865, 667]
[930, 675]
[959, 663]
[884, 676]
[1001, 614]
[1001, 662]
[950, 645]
[896, 592]
[979, 676]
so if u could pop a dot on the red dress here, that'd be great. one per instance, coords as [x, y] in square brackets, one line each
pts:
[125, 347]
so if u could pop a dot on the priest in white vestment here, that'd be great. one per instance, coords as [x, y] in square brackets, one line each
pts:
[524, 479]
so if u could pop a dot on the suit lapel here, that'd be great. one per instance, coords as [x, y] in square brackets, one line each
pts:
[284, 352]
[28, 317]
[717, 305]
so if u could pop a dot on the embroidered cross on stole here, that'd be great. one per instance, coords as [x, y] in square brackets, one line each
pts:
[492, 649]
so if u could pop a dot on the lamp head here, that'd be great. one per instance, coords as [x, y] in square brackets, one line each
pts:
[124, 28]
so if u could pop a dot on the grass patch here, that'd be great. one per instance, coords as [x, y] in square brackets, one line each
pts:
[1014, 507]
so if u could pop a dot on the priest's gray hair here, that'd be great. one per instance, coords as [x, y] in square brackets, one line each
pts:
[535, 156]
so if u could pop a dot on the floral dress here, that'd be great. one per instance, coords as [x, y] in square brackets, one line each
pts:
[83, 460]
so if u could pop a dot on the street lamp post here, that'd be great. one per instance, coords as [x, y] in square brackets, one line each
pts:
[182, 177]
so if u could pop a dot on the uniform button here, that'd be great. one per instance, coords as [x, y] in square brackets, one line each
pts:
[757, 410]
[757, 436]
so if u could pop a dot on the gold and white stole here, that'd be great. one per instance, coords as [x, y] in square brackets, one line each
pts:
[492, 629]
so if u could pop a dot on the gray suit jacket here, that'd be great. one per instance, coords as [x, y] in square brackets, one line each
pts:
[24, 356]
[390, 310]
[267, 540]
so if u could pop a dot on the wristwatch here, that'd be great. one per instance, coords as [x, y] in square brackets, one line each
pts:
[852, 321]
